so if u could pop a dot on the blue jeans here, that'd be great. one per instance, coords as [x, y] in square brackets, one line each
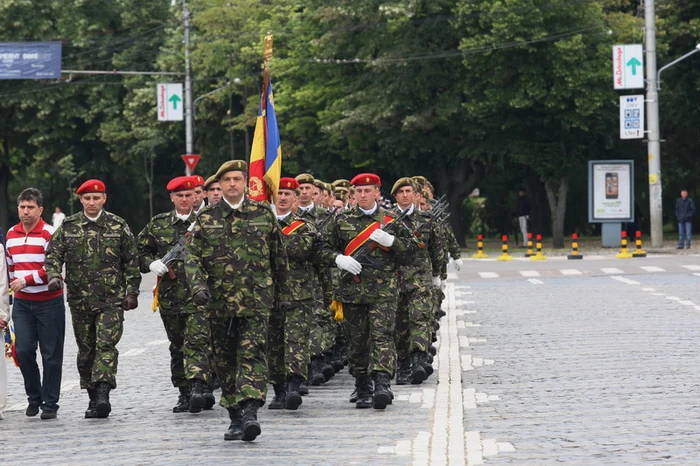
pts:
[684, 231]
[42, 322]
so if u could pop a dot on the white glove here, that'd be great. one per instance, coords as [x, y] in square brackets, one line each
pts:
[382, 237]
[458, 264]
[158, 267]
[436, 282]
[348, 263]
[443, 285]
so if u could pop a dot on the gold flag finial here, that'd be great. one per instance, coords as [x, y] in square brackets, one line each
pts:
[267, 48]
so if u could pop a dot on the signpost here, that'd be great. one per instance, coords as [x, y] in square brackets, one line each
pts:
[628, 66]
[191, 161]
[170, 106]
[30, 60]
[611, 197]
[632, 117]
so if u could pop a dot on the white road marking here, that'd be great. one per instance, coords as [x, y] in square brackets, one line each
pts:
[488, 275]
[570, 272]
[157, 342]
[697, 274]
[69, 385]
[611, 270]
[529, 273]
[652, 268]
[648, 289]
[692, 268]
[687, 303]
[133, 352]
[625, 280]
[673, 298]
[657, 294]
[535, 281]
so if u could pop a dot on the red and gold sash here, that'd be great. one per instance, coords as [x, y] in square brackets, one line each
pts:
[363, 236]
[292, 227]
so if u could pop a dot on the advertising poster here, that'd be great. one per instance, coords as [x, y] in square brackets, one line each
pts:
[611, 191]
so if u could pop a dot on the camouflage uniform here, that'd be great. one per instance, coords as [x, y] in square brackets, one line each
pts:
[101, 269]
[185, 325]
[370, 305]
[232, 254]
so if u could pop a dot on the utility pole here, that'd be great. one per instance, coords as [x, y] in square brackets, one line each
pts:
[188, 85]
[655, 194]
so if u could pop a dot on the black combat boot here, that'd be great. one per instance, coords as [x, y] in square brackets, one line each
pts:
[365, 390]
[249, 415]
[280, 396]
[327, 367]
[294, 399]
[235, 430]
[197, 401]
[382, 393]
[433, 350]
[303, 388]
[440, 314]
[183, 401]
[209, 398]
[90, 411]
[316, 373]
[403, 371]
[426, 361]
[337, 358]
[102, 406]
[418, 374]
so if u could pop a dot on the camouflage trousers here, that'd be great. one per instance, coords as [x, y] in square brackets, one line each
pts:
[97, 335]
[414, 321]
[322, 334]
[190, 347]
[371, 337]
[240, 358]
[288, 341]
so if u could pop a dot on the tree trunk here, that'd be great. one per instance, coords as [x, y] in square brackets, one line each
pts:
[4, 183]
[458, 182]
[557, 192]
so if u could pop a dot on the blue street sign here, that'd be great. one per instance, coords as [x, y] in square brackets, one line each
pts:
[30, 60]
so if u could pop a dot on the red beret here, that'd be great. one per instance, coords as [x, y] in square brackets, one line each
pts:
[366, 179]
[289, 183]
[181, 183]
[91, 186]
[197, 180]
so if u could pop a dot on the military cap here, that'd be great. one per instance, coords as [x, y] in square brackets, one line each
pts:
[320, 184]
[401, 182]
[198, 180]
[91, 186]
[342, 183]
[289, 183]
[329, 187]
[366, 179]
[305, 178]
[420, 180]
[429, 185]
[230, 166]
[181, 183]
[340, 191]
[212, 179]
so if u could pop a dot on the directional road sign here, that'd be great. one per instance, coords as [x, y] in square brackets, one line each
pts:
[170, 104]
[628, 66]
[632, 117]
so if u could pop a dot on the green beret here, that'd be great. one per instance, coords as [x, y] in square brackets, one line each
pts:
[401, 182]
[230, 166]
[210, 180]
[305, 178]
[341, 183]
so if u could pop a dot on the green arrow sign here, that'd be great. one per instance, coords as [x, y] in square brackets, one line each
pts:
[175, 99]
[634, 63]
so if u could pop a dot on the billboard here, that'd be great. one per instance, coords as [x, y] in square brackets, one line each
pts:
[30, 60]
[610, 191]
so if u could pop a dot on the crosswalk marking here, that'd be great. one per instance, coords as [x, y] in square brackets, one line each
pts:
[611, 270]
[651, 268]
[488, 275]
[570, 272]
[529, 273]
[692, 268]
[535, 281]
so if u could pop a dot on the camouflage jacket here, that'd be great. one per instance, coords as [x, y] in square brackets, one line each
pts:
[379, 282]
[233, 254]
[301, 245]
[322, 278]
[431, 256]
[156, 239]
[100, 258]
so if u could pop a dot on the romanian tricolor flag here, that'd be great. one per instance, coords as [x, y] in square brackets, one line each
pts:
[265, 166]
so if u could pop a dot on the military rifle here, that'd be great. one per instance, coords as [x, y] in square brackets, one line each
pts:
[320, 226]
[177, 252]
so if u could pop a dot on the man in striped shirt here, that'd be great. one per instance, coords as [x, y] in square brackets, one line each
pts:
[39, 314]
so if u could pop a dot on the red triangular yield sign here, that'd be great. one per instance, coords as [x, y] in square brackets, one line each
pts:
[191, 161]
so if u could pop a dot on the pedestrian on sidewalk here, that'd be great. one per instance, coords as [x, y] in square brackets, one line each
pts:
[39, 314]
[4, 319]
[685, 211]
[522, 212]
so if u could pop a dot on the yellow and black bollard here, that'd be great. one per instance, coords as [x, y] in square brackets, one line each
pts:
[624, 254]
[538, 255]
[639, 252]
[574, 248]
[529, 245]
[504, 249]
[480, 248]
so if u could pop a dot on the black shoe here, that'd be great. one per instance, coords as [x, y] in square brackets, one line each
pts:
[48, 413]
[90, 411]
[235, 429]
[209, 398]
[327, 368]
[293, 400]
[382, 393]
[249, 415]
[197, 401]
[441, 314]
[102, 405]
[32, 410]
[365, 390]
[403, 371]
[679, 247]
[337, 359]
[280, 397]
[353, 395]
[418, 374]
[316, 377]
[183, 401]
[303, 388]
[433, 350]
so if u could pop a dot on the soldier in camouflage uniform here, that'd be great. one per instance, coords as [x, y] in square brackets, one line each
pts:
[369, 292]
[290, 323]
[418, 280]
[213, 190]
[231, 267]
[103, 280]
[185, 325]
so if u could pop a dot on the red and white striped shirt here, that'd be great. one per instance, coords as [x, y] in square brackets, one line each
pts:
[26, 253]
